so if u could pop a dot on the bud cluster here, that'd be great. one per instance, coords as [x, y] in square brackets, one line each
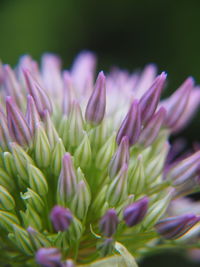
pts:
[83, 164]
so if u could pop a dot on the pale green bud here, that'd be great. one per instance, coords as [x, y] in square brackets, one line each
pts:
[75, 230]
[97, 204]
[137, 178]
[63, 128]
[34, 200]
[42, 147]
[98, 135]
[83, 153]
[57, 155]
[7, 202]
[82, 198]
[105, 153]
[6, 181]
[154, 167]
[117, 190]
[9, 163]
[7, 220]
[21, 239]
[50, 130]
[37, 239]
[31, 218]
[76, 125]
[156, 211]
[37, 180]
[21, 159]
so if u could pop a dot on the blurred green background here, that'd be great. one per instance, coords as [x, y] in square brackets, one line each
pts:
[126, 33]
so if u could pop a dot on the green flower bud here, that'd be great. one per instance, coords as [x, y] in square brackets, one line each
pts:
[105, 153]
[37, 180]
[155, 166]
[63, 128]
[34, 200]
[9, 163]
[31, 218]
[42, 147]
[57, 155]
[137, 178]
[21, 159]
[83, 153]
[21, 239]
[75, 230]
[37, 239]
[82, 198]
[6, 200]
[6, 181]
[97, 204]
[156, 211]
[50, 130]
[117, 190]
[7, 220]
[76, 125]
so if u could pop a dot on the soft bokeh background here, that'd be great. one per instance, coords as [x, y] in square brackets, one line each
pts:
[126, 33]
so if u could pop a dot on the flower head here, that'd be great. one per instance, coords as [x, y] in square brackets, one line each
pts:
[83, 162]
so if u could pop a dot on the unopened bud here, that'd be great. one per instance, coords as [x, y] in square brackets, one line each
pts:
[109, 222]
[61, 218]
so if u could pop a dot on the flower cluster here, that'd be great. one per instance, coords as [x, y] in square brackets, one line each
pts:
[84, 176]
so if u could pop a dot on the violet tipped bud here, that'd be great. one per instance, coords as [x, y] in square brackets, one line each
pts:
[42, 100]
[17, 125]
[150, 99]
[4, 131]
[177, 103]
[117, 190]
[175, 227]
[32, 115]
[61, 218]
[120, 157]
[67, 182]
[184, 169]
[151, 130]
[109, 222]
[48, 257]
[135, 212]
[96, 106]
[131, 125]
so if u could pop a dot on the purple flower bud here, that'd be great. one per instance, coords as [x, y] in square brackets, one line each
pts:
[67, 182]
[32, 115]
[184, 169]
[177, 103]
[150, 99]
[120, 157]
[152, 128]
[61, 218]
[189, 110]
[4, 131]
[42, 100]
[67, 93]
[175, 227]
[18, 128]
[131, 125]
[96, 106]
[12, 86]
[48, 257]
[135, 212]
[109, 222]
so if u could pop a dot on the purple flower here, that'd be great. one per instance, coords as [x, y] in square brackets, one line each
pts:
[61, 218]
[131, 125]
[48, 257]
[109, 222]
[96, 106]
[135, 212]
[175, 227]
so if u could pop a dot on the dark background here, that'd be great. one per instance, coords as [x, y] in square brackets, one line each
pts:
[127, 33]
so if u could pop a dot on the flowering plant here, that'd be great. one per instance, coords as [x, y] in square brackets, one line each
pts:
[85, 175]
